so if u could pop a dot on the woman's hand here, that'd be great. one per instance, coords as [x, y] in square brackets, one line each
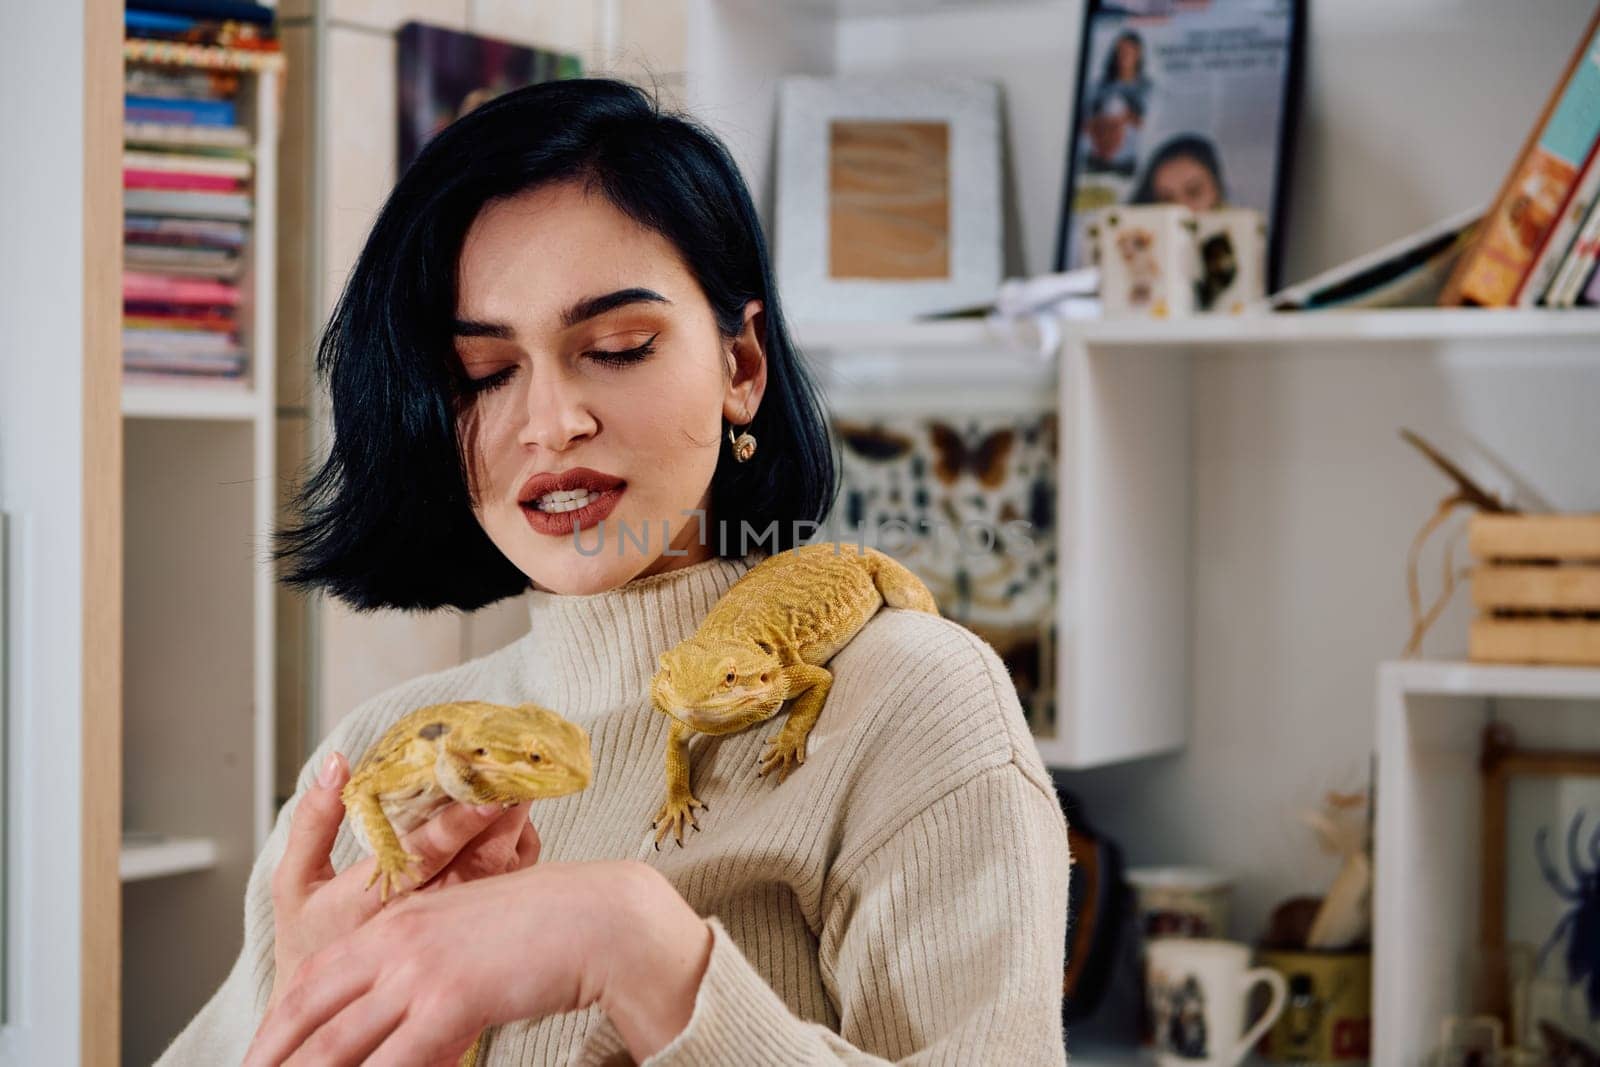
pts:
[312, 906]
[419, 981]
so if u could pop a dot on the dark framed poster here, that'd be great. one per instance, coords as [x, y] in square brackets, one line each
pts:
[1183, 101]
[443, 74]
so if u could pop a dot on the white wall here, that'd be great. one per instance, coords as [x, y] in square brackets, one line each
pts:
[41, 482]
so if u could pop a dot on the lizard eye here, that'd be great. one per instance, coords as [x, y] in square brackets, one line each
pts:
[534, 756]
[764, 677]
[480, 752]
[730, 679]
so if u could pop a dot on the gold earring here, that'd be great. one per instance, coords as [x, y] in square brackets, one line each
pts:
[745, 446]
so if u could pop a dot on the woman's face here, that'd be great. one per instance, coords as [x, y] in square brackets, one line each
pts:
[1185, 180]
[1127, 60]
[591, 345]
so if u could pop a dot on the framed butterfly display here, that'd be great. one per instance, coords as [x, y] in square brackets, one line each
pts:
[968, 503]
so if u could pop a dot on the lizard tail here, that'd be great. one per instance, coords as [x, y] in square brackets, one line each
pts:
[469, 1058]
[896, 584]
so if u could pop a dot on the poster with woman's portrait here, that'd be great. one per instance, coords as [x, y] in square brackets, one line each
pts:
[1187, 103]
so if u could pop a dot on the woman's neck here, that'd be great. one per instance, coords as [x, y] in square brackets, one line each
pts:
[589, 653]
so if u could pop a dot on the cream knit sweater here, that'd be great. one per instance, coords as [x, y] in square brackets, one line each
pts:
[902, 896]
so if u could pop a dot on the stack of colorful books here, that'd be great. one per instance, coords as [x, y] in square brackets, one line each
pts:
[187, 171]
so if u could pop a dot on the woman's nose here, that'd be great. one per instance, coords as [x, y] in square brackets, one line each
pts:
[557, 415]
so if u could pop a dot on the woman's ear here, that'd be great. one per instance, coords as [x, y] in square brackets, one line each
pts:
[748, 383]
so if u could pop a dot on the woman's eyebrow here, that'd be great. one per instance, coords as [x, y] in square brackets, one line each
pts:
[585, 309]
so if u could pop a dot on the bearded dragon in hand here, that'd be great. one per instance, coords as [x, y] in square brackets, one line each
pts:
[763, 644]
[471, 751]
[468, 750]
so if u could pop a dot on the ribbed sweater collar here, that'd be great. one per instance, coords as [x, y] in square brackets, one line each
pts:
[594, 653]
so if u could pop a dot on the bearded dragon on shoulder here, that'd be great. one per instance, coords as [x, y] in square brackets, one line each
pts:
[764, 644]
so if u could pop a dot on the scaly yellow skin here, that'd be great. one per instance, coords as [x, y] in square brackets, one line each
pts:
[764, 644]
[470, 751]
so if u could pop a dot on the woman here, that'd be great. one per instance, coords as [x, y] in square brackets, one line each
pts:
[1185, 170]
[568, 281]
[1117, 107]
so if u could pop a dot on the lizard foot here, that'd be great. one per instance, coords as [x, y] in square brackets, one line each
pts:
[674, 815]
[784, 753]
[389, 869]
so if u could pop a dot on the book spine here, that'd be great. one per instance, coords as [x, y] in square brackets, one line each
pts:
[1553, 251]
[1575, 267]
[179, 181]
[1590, 297]
[1544, 172]
[192, 112]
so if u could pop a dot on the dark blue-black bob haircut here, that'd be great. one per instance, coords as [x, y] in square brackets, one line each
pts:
[387, 522]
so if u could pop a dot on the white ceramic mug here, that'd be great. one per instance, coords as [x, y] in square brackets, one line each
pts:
[1199, 991]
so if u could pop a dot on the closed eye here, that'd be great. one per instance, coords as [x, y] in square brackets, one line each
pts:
[625, 356]
[490, 383]
[610, 357]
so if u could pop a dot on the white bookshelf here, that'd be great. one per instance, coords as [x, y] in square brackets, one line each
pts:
[218, 403]
[1311, 329]
[1196, 334]
[160, 858]
[199, 495]
[1428, 838]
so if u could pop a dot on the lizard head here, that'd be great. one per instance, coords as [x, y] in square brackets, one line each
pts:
[719, 687]
[525, 753]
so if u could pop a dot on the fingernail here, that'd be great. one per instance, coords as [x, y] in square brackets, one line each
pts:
[488, 809]
[330, 767]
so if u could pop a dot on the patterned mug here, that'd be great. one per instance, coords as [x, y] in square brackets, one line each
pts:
[1199, 992]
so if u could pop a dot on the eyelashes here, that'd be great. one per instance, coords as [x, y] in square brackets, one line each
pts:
[611, 358]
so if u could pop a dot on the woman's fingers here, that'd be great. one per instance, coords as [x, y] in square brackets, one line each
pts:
[419, 1040]
[495, 850]
[351, 1035]
[528, 845]
[320, 989]
[312, 829]
[438, 841]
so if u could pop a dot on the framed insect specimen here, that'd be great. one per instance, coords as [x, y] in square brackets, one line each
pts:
[1541, 884]
[968, 503]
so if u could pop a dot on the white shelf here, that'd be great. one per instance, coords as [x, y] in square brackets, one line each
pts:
[181, 400]
[883, 8]
[1203, 331]
[1490, 679]
[1398, 324]
[915, 334]
[175, 855]
[1430, 717]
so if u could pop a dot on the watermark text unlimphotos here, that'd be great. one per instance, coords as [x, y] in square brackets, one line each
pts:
[973, 537]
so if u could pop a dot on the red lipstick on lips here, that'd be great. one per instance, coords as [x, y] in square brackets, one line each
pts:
[604, 492]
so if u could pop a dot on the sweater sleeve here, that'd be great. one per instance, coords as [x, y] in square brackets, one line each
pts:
[944, 945]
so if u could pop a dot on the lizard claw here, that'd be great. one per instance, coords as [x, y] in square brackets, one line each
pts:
[674, 815]
[389, 869]
[783, 755]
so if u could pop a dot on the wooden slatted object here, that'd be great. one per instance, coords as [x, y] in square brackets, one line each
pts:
[1536, 585]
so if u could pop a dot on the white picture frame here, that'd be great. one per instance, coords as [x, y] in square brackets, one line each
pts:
[808, 109]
